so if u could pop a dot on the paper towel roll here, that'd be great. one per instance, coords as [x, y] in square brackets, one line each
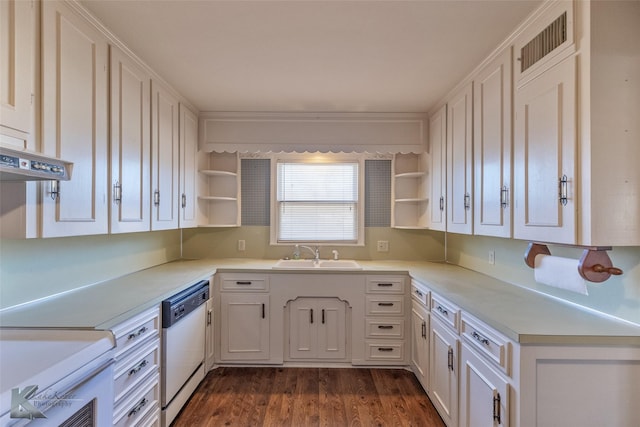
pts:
[560, 273]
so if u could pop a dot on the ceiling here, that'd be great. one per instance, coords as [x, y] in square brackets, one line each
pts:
[312, 56]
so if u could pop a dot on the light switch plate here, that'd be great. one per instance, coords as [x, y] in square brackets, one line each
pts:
[383, 246]
[241, 245]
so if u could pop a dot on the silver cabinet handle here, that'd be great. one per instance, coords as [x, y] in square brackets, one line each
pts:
[480, 338]
[450, 359]
[55, 190]
[496, 408]
[117, 192]
[504, 197]
[467, 201]
[156, 198]
[441, 203]
[184, 200]
[442, 310]
[563, 190]
[139, 367]
[138, 407]
[138, 333]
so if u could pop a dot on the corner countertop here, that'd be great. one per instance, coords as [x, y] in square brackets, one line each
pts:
[521, 314]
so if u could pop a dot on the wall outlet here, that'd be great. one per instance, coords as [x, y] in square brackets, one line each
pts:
[492, 257]
[241, 245]
[383, 246]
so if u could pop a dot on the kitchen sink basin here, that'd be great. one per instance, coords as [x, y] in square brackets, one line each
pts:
[309, 264]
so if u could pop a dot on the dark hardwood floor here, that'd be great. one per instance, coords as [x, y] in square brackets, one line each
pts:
[297, 397]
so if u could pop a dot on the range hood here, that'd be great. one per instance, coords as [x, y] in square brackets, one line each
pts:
[24, 165]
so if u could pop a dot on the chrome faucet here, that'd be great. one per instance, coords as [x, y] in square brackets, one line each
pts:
[315, 251]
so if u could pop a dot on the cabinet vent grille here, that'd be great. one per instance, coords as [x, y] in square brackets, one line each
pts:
[544, 43]
[85, 417]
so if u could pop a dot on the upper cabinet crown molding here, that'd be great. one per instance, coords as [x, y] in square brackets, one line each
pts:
[310, 132]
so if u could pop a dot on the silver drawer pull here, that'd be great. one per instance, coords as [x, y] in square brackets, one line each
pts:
[385, 304]
[244, 283]
[385, 326]
[138, 407]
[442, 310]
[137, 334]
[480, 338]
[419, 293]
[385, 285]
[139, 367]
[385, 349]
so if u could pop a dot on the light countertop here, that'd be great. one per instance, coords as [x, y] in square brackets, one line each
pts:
[521, 314]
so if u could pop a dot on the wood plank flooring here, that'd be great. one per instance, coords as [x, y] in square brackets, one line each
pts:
[298, 397]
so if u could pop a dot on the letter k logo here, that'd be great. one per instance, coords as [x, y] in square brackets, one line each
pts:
[20, 407]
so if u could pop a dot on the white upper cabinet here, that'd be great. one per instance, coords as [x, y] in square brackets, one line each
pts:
[164, 158]
[460, 161]
[17, 33]
[130, 145]
[609, 125]
[438, 150]
[545, 156]
[74, 116]
[188, 168]
[492, 141]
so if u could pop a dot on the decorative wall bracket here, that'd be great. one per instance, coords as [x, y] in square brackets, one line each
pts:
[594, 265]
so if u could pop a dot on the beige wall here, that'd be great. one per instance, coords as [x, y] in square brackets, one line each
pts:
[37, 268]
[223, 243]
[618, 296]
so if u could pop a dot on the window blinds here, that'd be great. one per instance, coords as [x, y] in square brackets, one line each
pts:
[317, 202]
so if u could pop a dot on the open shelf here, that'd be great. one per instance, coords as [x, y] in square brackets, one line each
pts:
[220, 199]
[410, 207]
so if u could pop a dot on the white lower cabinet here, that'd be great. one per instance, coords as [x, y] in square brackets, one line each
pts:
[244, 327]
[420, 343]
[444, 347]
[484, 393]
[137, 370]
[317, 328]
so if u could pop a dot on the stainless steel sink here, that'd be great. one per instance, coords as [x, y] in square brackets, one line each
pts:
[309, 264]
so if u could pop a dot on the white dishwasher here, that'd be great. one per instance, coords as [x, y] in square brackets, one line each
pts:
[183, 347]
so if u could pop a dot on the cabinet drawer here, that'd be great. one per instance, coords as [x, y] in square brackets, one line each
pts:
[385, 305]
[385, 350]
[135, 367]
[379, 327]
[139, 404]
[385, 284]
[152, 419]
[420, 294]
[136, 330]
[445, 311]
[244, 282]
[487, 341]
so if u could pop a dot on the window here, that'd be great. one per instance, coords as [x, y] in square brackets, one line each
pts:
[317, 201]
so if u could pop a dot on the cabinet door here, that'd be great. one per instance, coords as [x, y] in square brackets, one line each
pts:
[209, 358]
[74, 116]
[460, 162]
[317, 328]
[17, 32]
[438, 147]
[492, 114]
[544, 155]
[443, 371]
[164, 158]
[244, 326]
[130, 145]
[420, 343]
[332, 329]
[303, 331]
[484, 397]
[188, 167]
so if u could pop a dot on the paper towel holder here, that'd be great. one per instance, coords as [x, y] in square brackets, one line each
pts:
[594, 265]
